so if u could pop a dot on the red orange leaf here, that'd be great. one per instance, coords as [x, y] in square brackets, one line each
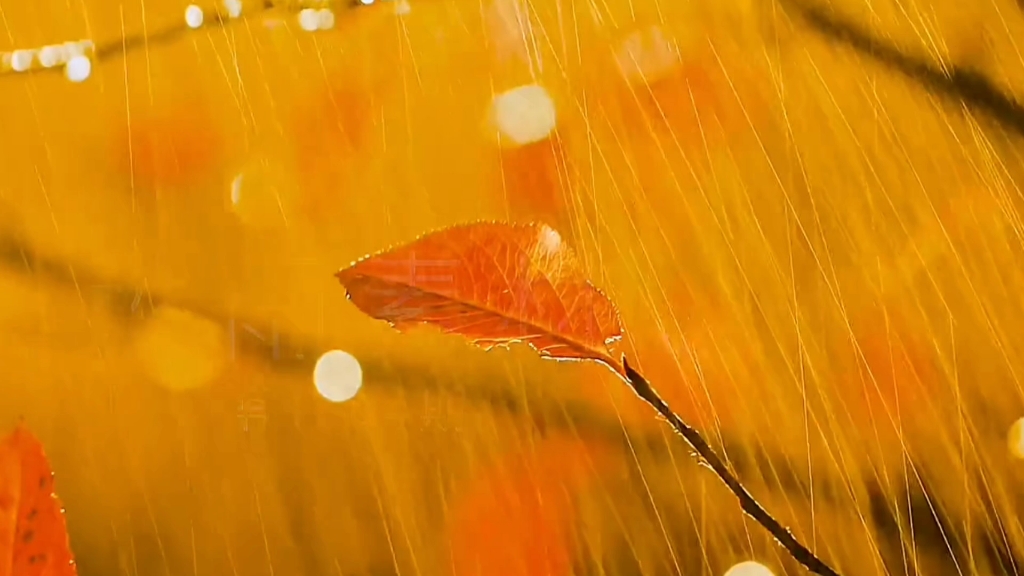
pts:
[494, 284]
[33, 535]
[499, 283]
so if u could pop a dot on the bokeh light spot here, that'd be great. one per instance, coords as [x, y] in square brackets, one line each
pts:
[181, 350]
[233, 8]
[325, 19]
[646, 56]
[1015, 439]
[78, 68]
[749, 568]
[51, 56]
[21, 60]
[550, 240]
[261, 196]
[338, 376]
[193, 16]
[524, 115]
[309, 19]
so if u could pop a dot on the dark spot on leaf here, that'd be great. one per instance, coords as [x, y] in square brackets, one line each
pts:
[42, 481]
[28, 536]
[32, 514]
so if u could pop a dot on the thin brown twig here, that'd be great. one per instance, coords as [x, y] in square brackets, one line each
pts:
[798, 551]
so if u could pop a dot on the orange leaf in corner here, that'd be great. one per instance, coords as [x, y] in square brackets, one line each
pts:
[33, 535]
[494, 284]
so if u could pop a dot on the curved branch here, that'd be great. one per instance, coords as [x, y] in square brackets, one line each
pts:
[800, 553]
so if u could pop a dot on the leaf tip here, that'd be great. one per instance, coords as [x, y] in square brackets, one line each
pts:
[345, 276]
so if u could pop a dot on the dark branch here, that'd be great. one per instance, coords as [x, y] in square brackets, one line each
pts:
[120, 47]
[964, 85]
[800, 553]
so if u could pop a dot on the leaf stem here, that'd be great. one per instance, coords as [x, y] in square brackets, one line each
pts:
[798, 551]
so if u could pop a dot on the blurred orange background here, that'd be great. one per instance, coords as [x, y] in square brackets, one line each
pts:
[817, 263]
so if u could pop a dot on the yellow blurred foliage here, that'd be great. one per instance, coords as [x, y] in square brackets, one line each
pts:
[817, 262]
